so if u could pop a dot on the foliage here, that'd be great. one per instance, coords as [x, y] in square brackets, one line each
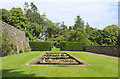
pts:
[79, 35]
[58, 45]
[40, 46]
[89, 30]
[35, 29]
[17, 18]
[104, 37]
[112, 28]
[31, 12]
[5, 44]
[27, 33]
[14, 52]
[13, 48]
[114, 33]
[79, 23]
[38, 26]
[63, 26]
[26, 49]
[4, 14]
[72, 46]
[50, 28]
[59, 39]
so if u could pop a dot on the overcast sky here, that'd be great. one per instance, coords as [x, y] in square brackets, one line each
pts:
[98, 13]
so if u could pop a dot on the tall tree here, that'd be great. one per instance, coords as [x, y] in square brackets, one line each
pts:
[114, 33]
[64, 27]
[17, 18]
[4, 14]
[103, 37]
[35, 29]
[79, 23]
[50, 28]
[88, 29]
[31, 12]
[79, 35]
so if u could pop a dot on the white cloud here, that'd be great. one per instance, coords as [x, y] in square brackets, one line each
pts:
[98, 13]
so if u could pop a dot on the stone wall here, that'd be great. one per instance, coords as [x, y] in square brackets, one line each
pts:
[107, 50]
[16, 36]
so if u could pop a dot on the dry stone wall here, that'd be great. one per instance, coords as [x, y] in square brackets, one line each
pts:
[16, 36]
[107, 50]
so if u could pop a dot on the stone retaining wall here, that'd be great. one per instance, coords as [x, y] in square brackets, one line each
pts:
[16, 36]
[107, 50]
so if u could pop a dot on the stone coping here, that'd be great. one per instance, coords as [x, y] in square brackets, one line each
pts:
[34, 61]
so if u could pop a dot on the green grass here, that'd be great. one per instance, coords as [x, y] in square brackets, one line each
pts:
[14, 65]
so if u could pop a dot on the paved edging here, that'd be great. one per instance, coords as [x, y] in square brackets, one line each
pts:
[104, 55]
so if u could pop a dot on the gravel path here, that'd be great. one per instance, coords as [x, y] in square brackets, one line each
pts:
[104, 55]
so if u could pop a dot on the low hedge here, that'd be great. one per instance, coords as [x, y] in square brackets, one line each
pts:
[40, 46]
[72, 46]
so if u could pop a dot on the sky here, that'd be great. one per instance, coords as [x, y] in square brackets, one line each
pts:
[98, 13]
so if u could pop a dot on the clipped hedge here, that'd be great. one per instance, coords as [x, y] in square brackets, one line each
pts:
[72, 46]
[40, 46]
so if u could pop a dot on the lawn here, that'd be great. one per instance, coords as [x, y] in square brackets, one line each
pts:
[15, 65]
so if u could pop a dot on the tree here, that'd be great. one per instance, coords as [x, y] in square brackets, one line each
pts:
[70, 27]
[114, 33]
[59, 39]
[4, 14]
[17, 19]
[88, 29]
[31, 12]
[27, 33]
[35, 29]
[102, 37]
[79, 23]
[64, 27]
[79, 35]
[33, 16]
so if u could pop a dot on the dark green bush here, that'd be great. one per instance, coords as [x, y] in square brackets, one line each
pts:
[14, 51]
[58, 45]
[27, 33]
[72, 46]
[52, 45]
[5, 45]
[26, 49]
[13, 48]
[40, 46]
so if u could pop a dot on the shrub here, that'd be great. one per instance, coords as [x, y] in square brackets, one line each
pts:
[6, 48]
[72, 46]
[40, 46]
[58, 45]
[13, 48]
[14, 51]
[52, 45]
[27, 33]
[26, 49]
[59, 39]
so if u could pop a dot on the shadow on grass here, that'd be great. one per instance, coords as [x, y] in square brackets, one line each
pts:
[11, 74]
